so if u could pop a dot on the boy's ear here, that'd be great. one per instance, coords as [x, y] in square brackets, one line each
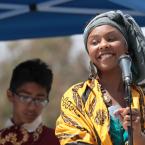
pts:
[10, 95]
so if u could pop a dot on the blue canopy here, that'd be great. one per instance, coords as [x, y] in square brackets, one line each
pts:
[21, 19]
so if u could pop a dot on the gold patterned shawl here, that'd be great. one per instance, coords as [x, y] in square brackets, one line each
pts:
[84, 116]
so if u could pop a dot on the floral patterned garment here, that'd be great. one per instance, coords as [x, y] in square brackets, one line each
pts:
[17, 135]
[85, 118]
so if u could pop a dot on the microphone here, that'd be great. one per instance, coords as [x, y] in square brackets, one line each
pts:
[125, 65]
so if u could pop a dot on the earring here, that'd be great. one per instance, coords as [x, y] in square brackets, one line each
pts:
[93, 71]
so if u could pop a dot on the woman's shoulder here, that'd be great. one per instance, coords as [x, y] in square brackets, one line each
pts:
[82, 86]
[78, 87]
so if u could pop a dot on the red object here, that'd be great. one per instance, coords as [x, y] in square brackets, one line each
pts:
[18, 135]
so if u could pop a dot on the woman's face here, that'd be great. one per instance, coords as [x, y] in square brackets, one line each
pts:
[105, 45]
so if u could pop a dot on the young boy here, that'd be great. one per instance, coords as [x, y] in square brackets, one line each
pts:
[28, 92]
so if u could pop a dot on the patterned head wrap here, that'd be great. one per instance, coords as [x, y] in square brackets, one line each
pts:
[132, 34]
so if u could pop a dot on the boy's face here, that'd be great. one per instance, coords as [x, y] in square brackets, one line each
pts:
[28, 102]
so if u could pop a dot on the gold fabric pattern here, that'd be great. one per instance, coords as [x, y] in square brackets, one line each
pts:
[142, 108]
[93, 122]
[15, 140]
[92, 107]
[68, 120]
[101, 116]
[37, 133]
[65, 135]
[12, 138]
[76, 96]
[68, 105]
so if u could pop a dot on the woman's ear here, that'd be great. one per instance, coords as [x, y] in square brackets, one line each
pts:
[10, 95]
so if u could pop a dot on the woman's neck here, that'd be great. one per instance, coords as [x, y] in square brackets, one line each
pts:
[111, 80]
[113, 83]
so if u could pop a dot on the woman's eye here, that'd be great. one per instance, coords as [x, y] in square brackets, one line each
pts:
[111, 38]
[95, 42]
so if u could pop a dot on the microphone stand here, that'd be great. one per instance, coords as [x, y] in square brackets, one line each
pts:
[128, 98]
[125, 65]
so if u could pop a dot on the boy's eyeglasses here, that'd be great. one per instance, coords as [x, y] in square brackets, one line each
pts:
[28, 99]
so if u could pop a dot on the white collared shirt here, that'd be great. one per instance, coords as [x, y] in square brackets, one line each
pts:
[30, 127]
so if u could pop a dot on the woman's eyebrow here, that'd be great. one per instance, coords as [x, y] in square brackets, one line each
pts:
[94, 36]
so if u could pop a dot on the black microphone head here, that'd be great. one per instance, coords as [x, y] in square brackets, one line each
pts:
[125, 65]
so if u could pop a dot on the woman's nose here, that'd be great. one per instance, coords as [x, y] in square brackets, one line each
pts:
[104, 44]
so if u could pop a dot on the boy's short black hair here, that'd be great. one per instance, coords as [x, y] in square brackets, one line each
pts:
[33, 70]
